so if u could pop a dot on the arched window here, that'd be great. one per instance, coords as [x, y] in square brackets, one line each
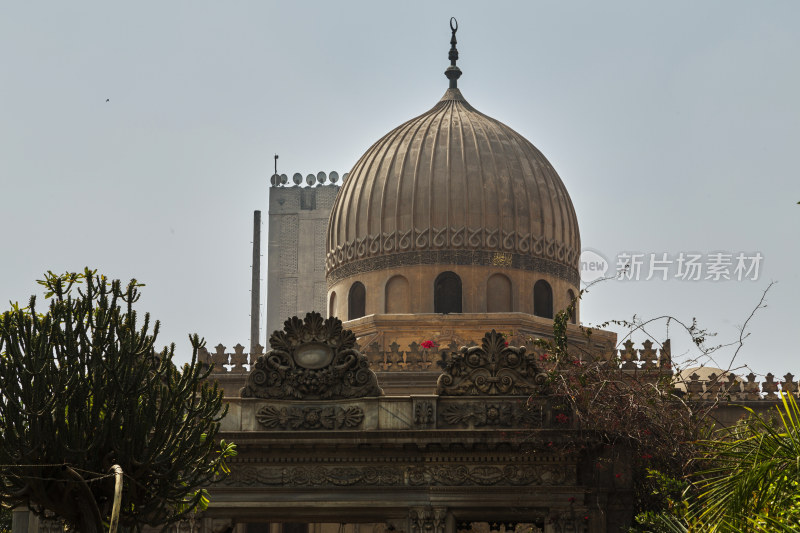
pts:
[570, 298]
[498, 294]
[332, 304]
[356, 301]
[397, 300]
[542, 299]
[447, 293]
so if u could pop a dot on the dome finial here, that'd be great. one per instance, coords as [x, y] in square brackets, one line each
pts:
[453, 72]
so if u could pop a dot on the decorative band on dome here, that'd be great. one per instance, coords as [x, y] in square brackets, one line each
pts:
[338, 272]
[443, 239]
[454, 238]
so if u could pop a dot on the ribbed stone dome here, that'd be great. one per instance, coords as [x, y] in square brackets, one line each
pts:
[453, 186]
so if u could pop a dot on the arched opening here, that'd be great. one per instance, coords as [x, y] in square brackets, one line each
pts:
[397, 299]
[570, 298]
[542, 299]
[498, 294]
[332, 304]
[447, 293]
[356, 301]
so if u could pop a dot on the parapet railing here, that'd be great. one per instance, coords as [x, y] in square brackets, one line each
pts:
[726, 386]
[415, 357]
[731, 387]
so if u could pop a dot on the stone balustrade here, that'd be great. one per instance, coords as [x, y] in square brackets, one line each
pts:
[414, 357]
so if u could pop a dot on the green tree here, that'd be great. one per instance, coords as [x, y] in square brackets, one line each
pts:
[654, 430]
[751, 475]
[83, 389]
[5, 519]
[748, 481]
[659, 431]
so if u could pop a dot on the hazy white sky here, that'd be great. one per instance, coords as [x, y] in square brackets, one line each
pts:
[675, 126]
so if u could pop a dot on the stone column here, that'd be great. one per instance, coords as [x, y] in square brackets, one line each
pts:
[21, 520]
[450, 523]
[428, 520]
[218, 525]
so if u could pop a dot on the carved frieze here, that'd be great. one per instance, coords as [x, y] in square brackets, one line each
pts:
[490, 369]
[508, 526]
[314, 476]
[458, 239]
[297, 418]
[312, 359]
[490, 414]
[448, 475]
[487, 475]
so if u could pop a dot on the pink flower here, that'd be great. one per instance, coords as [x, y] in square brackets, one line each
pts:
[506, 343]
[427, 344]
[647, 456]
[544, 357]
[561, 418]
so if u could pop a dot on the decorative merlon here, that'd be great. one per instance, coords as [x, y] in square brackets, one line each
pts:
[311, 359]
[730, 387]
[491, 369]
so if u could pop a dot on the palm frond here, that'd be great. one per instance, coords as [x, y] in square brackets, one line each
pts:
[751, 470]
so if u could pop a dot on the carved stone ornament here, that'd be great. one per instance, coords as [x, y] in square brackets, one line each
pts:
[490, 414]
[427, 519]
[490, 369]
[448, 475]
[424, 412]
[311, 359]
[292, 418]
[338, 271]
[50, 525]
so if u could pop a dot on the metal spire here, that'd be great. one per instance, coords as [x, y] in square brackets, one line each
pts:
[453, 72]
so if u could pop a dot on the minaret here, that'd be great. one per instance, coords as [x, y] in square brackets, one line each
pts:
[255, 293]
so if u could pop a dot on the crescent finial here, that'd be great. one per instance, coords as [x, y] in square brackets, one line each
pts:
[453, 72]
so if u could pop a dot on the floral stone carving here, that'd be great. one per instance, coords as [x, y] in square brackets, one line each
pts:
[490, 414]
[490, 369]
[311, 359]
[290, 418]
[447, 475]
